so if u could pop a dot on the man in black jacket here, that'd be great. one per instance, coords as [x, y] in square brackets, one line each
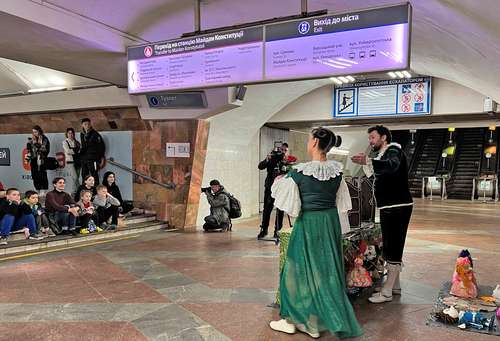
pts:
[92, 150]
[274, 164]
[394, 201]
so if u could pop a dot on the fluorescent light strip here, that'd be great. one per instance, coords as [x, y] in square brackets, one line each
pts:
[406, 74]
[335, 80]
[344, 79]
[54, 88]
[351, 78]
[392, 74]
[400, 74]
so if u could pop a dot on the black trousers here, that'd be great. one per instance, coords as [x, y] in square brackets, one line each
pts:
[90, 168]
[394, 223]
[39, 176]
[106, 213]
[85, 219]
[268, 209]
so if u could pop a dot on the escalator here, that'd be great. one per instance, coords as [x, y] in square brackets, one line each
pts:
[467, 162]
[408, 139]
[425, 158]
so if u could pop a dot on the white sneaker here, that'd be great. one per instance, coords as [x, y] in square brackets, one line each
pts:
[302, 328]
[380, 298]
[396, 292]
[282, 326]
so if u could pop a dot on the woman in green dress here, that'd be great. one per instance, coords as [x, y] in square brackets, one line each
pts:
[312, 283]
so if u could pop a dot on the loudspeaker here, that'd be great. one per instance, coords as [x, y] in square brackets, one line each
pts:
[490, 105]
[239, 92]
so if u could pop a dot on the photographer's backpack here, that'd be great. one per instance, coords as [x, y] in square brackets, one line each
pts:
[234, 207]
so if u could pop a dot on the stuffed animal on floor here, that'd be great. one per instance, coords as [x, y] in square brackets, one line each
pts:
[359, 276]
[463, 281]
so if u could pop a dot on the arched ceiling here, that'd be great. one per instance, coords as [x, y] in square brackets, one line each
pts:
[18, 78]
[458, 40]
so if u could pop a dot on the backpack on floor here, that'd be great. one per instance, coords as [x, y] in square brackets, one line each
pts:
[56, 229]
[234, 207]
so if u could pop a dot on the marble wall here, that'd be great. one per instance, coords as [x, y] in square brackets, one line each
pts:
[124, 118]
[180, 206]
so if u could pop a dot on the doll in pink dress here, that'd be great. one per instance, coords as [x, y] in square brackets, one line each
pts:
[464, 283]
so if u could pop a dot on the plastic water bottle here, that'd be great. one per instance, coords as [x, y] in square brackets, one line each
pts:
[92, 226]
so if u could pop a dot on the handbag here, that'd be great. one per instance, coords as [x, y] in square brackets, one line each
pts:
[50, 163]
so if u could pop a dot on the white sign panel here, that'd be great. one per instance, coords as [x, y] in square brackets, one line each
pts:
[395, 97]
[178, 149]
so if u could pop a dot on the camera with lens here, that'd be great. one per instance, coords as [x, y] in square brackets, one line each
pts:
[206, 189]
[277, 154]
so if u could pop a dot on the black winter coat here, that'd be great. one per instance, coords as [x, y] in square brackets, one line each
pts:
[93, 148]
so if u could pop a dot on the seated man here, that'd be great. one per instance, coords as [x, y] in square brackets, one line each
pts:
[12, 218]
[219, 207]
[61, 208]
[107, 207]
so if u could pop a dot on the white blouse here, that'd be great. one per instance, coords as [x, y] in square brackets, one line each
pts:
[287, 195]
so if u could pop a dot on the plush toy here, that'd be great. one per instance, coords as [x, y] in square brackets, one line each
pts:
[359, 276]
[463, 281]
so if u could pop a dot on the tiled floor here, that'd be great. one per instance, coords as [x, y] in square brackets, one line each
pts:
[218, 286]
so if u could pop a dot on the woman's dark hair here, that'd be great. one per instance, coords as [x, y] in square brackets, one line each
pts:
[327, 139]
[105, 178]
[39, 129]
[68, 130]
[381, 130]
[87, 177]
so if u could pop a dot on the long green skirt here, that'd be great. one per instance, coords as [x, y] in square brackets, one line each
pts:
[312, 282]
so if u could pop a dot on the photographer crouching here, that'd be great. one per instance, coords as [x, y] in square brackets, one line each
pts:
[219, 207]
[276, 163]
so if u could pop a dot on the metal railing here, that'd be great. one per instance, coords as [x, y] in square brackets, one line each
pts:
[144, 176]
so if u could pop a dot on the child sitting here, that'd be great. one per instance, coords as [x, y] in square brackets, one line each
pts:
[107, 207]
[88, 214]
[30, 205]
[12, 218]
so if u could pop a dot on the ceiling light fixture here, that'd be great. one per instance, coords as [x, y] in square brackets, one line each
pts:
[335, 80]
[400, 74]
[53, 88]
[344, 79]
[351, 78]
[392, 74]
[406, 74]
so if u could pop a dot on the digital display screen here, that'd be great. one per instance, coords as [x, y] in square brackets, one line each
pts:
[224, 58]
[373, 40]
[368, 41]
